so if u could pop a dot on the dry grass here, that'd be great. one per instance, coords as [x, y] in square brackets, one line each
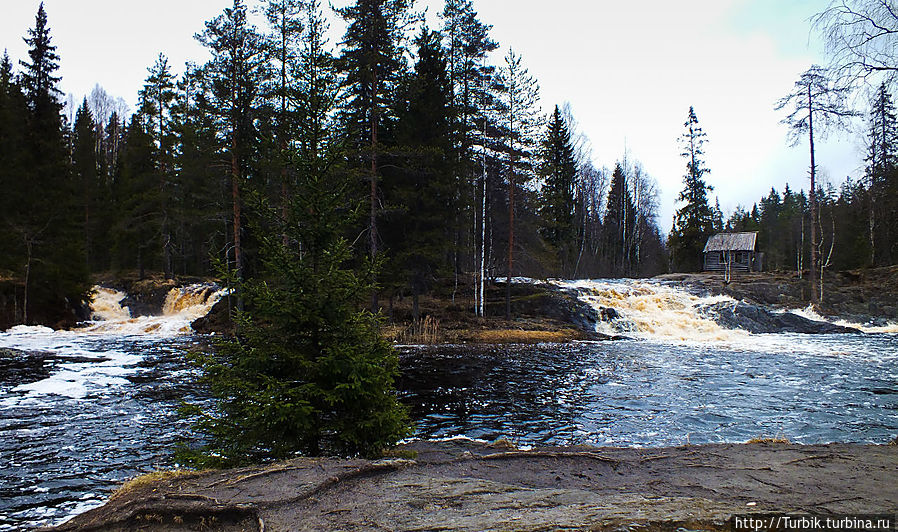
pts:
[765, 439]
[151, 478]
[422, 331]
[517, 336]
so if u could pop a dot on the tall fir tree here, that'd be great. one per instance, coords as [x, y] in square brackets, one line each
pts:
[307, 372]
[86, 173]
[882, 177]
[694, 221]
[156, 101]
[421, 191]
[13, 153]
[54, 273]
[619, 226]
[558, 170]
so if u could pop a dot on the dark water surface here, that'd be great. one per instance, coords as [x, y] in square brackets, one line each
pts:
[641, 393]
[92, 411]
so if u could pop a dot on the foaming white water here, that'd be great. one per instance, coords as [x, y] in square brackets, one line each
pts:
[811, 313]
[182, 306]
[107, 305]
[93, 366]
[100, 355]
[653, 310]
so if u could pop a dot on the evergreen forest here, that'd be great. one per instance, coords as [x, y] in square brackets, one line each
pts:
[447, 173]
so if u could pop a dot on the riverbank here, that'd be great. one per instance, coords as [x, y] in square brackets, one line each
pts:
[858, 296]
[540, 313]
[462, 485]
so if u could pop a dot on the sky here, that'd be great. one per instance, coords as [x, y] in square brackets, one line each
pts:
[629, 71]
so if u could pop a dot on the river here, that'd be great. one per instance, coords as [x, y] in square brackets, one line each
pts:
[87, 409]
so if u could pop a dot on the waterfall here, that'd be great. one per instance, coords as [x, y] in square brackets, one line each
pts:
[652, 310]
[182, 306]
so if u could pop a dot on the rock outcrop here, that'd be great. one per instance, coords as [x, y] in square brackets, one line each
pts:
[757, 319]
[461, 485]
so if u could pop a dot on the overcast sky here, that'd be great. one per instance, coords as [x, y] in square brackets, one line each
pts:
[630, 71]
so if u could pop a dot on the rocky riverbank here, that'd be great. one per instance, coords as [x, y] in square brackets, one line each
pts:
[860, 296]
[462, 485]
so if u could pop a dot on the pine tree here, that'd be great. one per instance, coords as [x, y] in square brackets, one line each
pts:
[694, 221]
[285, 19]
[200, 219]
[558, 169]
[815, 99]
[468, 44]
[372, 60]
[520, 97]
[235, 74]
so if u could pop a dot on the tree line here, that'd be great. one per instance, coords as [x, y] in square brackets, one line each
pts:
[464, 180]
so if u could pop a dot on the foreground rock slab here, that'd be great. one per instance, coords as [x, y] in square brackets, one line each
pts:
[460, 485]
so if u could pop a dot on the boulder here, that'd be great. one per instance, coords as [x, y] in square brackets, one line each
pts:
[757, 319]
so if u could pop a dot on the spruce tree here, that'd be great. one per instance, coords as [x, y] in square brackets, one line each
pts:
[421, 190]
[156, 101]
[619, 226]
[882, 163]
[13, 139]
[137, 196]
[558, 169]
[694, 221]
[46, 214]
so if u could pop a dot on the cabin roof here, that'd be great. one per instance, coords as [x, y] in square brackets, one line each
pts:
[732, 242]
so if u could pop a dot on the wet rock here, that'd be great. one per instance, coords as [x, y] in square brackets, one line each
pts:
[757, 319]
[609, 314]
[216, 321]
[458, 485]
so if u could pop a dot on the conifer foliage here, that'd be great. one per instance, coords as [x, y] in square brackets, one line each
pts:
[694, 221]
[558, 169]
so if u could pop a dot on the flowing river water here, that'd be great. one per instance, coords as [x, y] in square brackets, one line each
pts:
[84, 410]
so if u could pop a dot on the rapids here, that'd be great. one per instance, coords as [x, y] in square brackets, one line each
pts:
[83, 410]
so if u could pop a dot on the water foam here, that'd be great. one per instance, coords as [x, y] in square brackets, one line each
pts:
[91, 359]
[182, 306]
[811, 313]
[654, 311]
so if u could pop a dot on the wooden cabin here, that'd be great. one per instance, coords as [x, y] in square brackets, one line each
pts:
[736, 250]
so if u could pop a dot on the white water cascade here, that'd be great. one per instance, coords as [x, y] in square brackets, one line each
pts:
[670, 313]
[182, 306]
[98, 356]
[653, 310]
